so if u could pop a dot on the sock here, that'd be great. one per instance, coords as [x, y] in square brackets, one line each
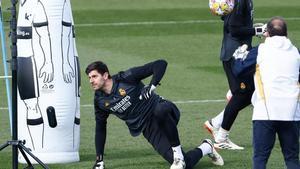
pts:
[177, 152]
[217, 121]
[205, 148]
[222, 135]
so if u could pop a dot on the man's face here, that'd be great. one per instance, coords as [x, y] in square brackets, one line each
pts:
[97, 80]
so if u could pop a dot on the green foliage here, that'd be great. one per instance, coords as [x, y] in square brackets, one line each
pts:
[194, 73]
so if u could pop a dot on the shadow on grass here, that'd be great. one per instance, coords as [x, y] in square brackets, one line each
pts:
[120, 154]
[133, 158]
[139, 165]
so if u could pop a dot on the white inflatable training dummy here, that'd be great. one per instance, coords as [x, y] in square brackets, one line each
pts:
[48, 81]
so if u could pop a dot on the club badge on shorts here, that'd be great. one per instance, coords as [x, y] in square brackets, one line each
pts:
[242, 85]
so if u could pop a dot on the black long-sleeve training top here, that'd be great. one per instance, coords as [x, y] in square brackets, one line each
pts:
[124, 102]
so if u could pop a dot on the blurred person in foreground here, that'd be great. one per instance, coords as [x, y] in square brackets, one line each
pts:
[143, 111]
[275, 65]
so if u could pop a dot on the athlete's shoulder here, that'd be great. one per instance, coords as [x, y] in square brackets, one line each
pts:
[124, 76]
[99, 93]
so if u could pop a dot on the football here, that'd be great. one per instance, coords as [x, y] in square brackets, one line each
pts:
[221, 7]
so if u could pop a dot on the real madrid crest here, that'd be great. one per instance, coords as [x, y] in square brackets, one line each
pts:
[122, 92]
[242, 85]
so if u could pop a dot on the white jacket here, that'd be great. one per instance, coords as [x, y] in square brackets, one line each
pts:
[276, 81]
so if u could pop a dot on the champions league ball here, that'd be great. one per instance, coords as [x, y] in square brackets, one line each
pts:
[221, 7]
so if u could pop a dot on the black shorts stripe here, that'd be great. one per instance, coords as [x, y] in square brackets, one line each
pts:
[34, 122]
[77, 76]
[26, 78]
[67, 24]
[77, 121]
[40, 24]
[73, 31]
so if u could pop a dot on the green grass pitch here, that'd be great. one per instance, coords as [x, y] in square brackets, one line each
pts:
[126, 33]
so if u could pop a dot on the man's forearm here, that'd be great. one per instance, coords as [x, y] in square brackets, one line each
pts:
[100, 138]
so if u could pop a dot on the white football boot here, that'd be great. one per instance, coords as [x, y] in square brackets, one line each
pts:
[227, 144]
[210, 128]
[216, 158]
[99, 165]
[178, 164]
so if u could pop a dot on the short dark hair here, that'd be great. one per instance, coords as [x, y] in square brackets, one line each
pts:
[277, 27]
[100, 66]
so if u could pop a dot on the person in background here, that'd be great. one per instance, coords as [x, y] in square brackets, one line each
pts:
[275, 65]
[237, 30]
